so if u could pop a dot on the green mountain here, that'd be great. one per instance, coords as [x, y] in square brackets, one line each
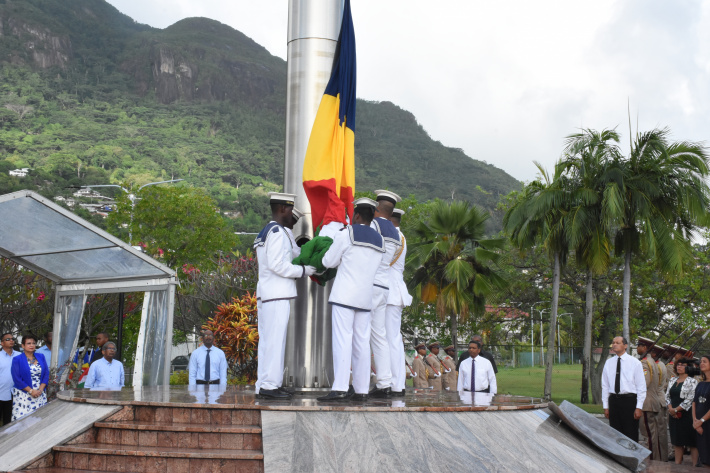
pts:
[89, 96]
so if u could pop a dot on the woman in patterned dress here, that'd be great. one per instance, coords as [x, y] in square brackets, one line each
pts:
[701, 406]
[679, 398]
[30, 375]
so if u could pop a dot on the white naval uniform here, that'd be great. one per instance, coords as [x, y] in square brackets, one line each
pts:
[378, 335]
[276, 286]
[295, 249]
[397, 300]
[357, 252]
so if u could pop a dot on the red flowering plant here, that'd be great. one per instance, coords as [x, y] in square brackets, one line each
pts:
[235, 331]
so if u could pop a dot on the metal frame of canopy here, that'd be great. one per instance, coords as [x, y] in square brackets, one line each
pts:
[82, 259]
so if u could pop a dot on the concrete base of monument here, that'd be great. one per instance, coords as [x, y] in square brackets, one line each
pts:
[208, 428]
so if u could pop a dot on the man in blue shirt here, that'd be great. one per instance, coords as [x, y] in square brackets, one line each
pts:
[208, 365]
[46, 349]
[7, 342]
[106, 373]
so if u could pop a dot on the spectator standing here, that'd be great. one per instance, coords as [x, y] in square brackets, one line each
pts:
[487, 355]
[701, 408]
[46, 349]
[208, 365]
[623, 390]
[476, 372]
[106, 372]
[97, 353]
[679, 399]
[7, 342]
[30, 376]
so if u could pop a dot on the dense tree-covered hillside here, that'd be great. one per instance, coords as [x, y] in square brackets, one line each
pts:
[88, 96]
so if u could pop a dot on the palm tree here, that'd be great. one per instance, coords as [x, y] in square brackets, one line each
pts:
[453, 263]
[665, 200]
[539, 216]
[591, 164]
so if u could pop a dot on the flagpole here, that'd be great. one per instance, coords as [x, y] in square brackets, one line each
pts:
[313, 29]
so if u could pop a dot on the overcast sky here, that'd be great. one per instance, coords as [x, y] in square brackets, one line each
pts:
[507, 81]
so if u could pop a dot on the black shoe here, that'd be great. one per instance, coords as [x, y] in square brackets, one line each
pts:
[398, 393]
[351, 390]
[273, 394]
[285, 390]
[359, 397]
[336, 396]
[381, 392]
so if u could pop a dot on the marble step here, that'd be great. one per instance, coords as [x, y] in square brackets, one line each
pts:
[143, 434]
[56, 470]
[177, 427]
[107, 458]
[195, 415]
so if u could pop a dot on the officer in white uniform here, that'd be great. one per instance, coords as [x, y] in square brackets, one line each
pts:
[386, 202]
[276, 286]
[356, 251]
[397, 299]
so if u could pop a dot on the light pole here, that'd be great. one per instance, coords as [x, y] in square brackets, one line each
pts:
[542, 337]
[559, 342]
[121, 295]
[532, 333]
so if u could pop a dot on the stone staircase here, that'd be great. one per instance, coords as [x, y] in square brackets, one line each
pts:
[192, 439]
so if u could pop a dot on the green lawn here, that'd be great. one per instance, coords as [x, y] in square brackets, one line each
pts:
[566, 383]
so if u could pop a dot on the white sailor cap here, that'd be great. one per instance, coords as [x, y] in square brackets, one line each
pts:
[296, 214]
[388, 196]
[365, 202]
[398, 213]
[281, 198]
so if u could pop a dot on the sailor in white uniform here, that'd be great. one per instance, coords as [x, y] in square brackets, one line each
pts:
[276, 286]
[386, 202]
[356, 251]
[397, 299]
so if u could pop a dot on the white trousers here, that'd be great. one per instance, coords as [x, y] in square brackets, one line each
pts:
[273, 324]
[379, 339]
[351, 348]
[393, 320]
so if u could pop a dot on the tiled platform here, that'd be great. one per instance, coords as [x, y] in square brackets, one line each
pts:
[243, 397]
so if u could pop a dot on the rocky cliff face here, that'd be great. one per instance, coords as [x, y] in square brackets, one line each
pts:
[40, 46]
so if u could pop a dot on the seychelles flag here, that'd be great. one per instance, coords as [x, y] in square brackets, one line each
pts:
[329, 166]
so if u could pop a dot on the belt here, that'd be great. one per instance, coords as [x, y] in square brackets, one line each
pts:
[626, 395]
[201, 381]
[487, 390]
[382, 287]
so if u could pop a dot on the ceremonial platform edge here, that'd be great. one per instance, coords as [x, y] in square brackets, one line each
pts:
[179, 429]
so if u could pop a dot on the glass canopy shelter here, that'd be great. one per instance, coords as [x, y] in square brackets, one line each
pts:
[82, 259]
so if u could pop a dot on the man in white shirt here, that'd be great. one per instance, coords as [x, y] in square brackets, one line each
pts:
[476, 373]
[208, 365]
[106, 373]
[7, 342]
[623, 390]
